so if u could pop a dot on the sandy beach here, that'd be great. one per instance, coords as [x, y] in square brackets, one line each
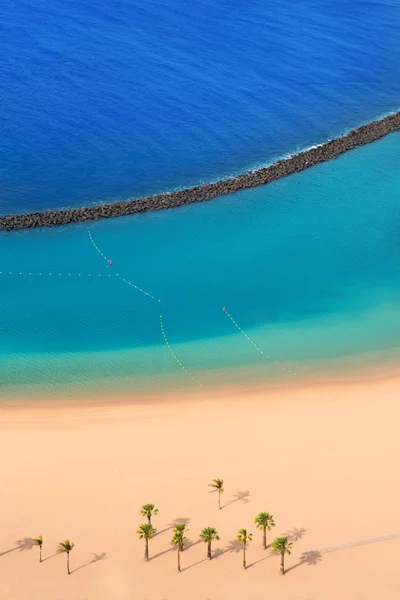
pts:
[322, 459]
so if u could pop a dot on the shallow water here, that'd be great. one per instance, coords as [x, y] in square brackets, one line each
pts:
[308, 266]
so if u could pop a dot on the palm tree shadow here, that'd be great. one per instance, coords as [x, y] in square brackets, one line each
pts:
[194, 564]
[310, 558]
[295, 534]
[184, 520]
[258, 561]
[189, 544]
[20, 546]
[239, 497]
[218, 552]
[233, 546]
[181, 521]
[48, 557]
[96, 558]
[161, 553]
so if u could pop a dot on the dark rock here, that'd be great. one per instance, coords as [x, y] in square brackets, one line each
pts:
[299, 162]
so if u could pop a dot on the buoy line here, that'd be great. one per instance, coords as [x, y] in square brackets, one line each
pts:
[171, 350]
[248, 338]
[252, 342]
[110, 262]
[140, 289]
[97, 248]
[178, 362]
[18, 273]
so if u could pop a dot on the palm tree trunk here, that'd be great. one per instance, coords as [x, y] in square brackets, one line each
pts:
[265, 538]
[146, 550]
[244, 555]
[149, 520]
[181, 546]
[219, 499]
[69, 572]
[179, 559]
[40, 553]
[209, 550]
[282, 563]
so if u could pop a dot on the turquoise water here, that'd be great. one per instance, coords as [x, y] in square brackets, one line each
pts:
[308, 266]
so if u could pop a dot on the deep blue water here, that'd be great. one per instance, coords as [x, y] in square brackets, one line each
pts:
[309, 267]
[107, 99]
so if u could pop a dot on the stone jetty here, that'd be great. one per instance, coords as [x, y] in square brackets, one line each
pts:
[293, 164]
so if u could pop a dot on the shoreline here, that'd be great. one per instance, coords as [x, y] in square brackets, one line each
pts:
[301, 161]
[107, 400]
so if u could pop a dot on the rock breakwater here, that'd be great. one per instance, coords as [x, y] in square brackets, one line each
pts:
[293, 164]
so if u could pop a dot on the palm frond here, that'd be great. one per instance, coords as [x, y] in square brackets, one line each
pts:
[217, 484]
[282, 545]
[243, 536]
[38, 541]
[208, 534]
[178, 536]
[264, 520]
[65, 546]
[148, 510]
[146, 531]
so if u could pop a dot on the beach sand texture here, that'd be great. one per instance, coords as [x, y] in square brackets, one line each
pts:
[322, 459]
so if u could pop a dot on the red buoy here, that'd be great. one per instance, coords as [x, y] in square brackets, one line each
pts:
[110, 261]
[224, 309]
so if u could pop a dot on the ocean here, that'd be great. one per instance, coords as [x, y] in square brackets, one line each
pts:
[307, 267]
[104, 101]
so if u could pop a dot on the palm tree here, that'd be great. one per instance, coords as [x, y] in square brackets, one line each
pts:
[244, 538]
[181, 527]
[146, 532]
[178, 538]
[148, 510]
[66, 546]
[39, 542]
[218, 484]
[264, 521]
[208, 534]
[282, 546]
